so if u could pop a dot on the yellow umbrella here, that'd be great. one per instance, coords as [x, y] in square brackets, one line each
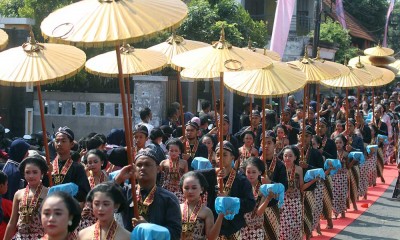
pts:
[175, 45]
[134, 61]
[219, 58]
[108, 22]
[315, 69]
[39, 64]
[387, 77]
[3, 39]
[92, 23]
[275, 80]
[359, 64]
[371, 60]
[396, 65]
[354, 78]
[271, 54]
[378, 51]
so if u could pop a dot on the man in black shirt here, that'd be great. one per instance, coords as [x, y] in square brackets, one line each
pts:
[162, 206]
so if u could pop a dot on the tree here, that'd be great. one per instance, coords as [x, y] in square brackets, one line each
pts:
[333, 32]
[204, 23]
[371, 13]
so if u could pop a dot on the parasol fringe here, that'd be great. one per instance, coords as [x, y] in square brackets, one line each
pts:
[42, 82]
[114, 42]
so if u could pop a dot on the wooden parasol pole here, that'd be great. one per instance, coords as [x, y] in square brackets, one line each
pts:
[263, 129]
[214, 102]
[251, 107]
[347, 110]
[221, 134]
[181, 104]
[282, 109]
[45, 143]
[373, 106]
[128, 96]
[303, 133]
[128, 132]
[318, 107]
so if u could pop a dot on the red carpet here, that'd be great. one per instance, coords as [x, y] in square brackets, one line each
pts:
[390, 172]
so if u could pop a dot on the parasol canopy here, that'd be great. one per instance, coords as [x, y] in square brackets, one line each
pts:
[220, 57]
[374, 71]
[134, 61]
[175, 45]
[375, 61]
[3, 39]
[354, 78]
[275, 80]
[109, 22]
[316, 69]
[378, 51]
[396, 65]
[35, 62]
[271, 54]
[387, 77]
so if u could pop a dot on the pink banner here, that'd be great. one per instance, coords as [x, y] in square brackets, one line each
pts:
[340, 13]
[280, 32]
[390, 9]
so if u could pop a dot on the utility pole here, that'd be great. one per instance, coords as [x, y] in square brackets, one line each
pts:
[317, 27]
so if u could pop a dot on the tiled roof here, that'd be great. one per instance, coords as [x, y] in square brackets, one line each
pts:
[356, 29]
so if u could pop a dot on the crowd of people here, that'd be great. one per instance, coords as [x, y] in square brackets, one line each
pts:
[324, 168]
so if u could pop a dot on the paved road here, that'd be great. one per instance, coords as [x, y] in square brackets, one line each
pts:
[381, 221]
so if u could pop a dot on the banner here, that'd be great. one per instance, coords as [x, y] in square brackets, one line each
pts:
[340, 13]
[280, 32]
[390, 9]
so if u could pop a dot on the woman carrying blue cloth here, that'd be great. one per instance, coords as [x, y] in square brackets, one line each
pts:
[291, 217]
[340, 180]
[235, 184]
[254, 168]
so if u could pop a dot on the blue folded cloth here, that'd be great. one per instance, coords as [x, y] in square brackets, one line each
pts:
[150, 231]
[335, 163]
[201, 163]
[229, 206]
[358, 156]
[369, 147]
[276, 188]
[314, 173]
[112, 175]
[70, 188]
[385, 138]
[368, 118]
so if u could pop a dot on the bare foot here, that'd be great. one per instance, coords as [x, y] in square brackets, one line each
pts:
[343, 215]
[319, 230]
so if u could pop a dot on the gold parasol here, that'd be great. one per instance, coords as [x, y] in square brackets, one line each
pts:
[3, 39]
[134, 61]
[271, 54]
[109, 22]
[275, 80]
[378, 51]
[354, 78]
[96, 23]
[387, 77]
[315, 69]
[175, 45]
[220, 57]
[39, 64]
[371, 60]
[396, 65]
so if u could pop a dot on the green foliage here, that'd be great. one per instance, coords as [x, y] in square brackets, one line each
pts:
[9, 8]
[371, 13]
[333, 32]
[204, 23]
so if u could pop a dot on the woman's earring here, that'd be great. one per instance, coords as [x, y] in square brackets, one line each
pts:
[69, 223]
[115, 210]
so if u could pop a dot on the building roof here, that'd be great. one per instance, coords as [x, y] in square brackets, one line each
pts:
[356, 29]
